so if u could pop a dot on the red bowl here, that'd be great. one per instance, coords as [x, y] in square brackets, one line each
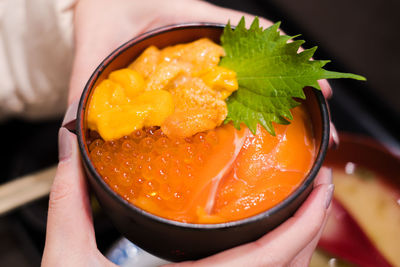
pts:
[344, 236]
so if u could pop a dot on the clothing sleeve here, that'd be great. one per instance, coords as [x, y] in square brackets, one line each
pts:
[36, 51]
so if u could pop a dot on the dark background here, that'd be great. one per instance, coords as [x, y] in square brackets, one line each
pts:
[359, 36]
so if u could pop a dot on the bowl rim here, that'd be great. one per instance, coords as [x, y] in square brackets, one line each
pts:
[131, 207]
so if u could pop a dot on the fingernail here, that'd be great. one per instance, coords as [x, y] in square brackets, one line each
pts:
[326, 88]
[71, 112]
[330, 93]
[329, 195]
[335, 137]
[64, 144]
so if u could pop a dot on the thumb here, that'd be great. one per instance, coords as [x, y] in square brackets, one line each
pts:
[69, 223]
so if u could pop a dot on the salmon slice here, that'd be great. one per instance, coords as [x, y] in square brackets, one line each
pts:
[267, 170]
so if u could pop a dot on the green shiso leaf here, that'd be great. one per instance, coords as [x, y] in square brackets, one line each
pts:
[270, 72]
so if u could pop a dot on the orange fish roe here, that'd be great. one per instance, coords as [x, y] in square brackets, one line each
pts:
[215, 176]
[146, 166]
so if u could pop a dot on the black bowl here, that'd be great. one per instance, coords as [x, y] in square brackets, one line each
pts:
[173, 240]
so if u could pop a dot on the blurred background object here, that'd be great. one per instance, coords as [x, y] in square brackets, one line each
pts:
[359, 36]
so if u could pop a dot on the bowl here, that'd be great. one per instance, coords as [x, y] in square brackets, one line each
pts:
[173, 240]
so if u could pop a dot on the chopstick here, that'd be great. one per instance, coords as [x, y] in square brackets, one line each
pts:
[26, 189]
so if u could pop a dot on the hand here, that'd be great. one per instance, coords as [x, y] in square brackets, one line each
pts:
[70, 237]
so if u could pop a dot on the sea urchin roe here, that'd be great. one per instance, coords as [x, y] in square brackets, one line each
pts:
[175, 178]
[197, 108]
[180, 88]
[114, 114]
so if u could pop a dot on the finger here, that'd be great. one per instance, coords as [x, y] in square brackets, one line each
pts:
[304, 256]
[333, 137]
[324, 176]
[286, 241]
[325, 88]
[302, 228]
[69, 223]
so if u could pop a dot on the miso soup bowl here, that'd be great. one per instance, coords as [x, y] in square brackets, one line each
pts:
[173, 240]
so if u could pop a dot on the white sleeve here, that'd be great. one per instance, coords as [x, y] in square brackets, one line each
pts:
[36, 51]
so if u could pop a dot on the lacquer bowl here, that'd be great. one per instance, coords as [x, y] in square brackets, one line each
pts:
[173, 240]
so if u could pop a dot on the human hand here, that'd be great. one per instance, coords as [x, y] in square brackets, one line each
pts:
[70, 237]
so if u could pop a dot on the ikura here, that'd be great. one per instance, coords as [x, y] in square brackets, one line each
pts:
[147, 161]
[215, 176]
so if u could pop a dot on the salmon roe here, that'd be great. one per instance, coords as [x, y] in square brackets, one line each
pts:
[216, 176]
[149, 164]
